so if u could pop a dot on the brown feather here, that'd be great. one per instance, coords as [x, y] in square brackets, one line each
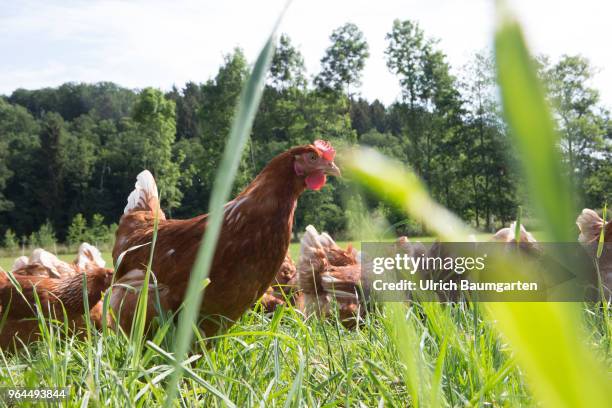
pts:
[55, 296]
[329, 274]
[251, 248]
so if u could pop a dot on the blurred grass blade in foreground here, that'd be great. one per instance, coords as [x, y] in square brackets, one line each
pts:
[397, 184]
[531, 126]
[248, 104]
[546, 337]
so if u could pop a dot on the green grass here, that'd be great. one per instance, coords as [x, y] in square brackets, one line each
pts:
[416, 354]
[6, 262]
[294, 249]
[263, 358]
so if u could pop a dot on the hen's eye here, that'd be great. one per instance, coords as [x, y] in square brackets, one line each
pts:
[312, 157]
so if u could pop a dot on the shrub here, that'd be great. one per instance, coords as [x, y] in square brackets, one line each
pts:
[45, 237]
[112, 229]
[98, 232]
[32, 240]
[10, 242]
[78, 230]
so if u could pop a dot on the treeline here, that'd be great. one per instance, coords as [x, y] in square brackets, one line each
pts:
[73, 152]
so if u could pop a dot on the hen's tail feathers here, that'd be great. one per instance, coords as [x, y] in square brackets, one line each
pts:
[89, 254]
[326, 240]
[48, 260]
[19, 263]
[590, 224]
[508, 234]
[525, 235]
[124, 298]
[145, 196]
[311, 264]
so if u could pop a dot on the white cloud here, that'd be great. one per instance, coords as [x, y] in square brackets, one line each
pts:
[159, 43]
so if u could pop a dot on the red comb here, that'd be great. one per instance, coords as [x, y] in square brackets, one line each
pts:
[326, 149]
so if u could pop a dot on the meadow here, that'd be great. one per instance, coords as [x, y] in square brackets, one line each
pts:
[413, 354]
[286, 360]
[6, 261]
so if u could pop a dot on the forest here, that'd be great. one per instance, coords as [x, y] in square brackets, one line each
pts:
[69, 155]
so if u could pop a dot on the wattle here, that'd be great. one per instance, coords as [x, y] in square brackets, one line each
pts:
[315, 181]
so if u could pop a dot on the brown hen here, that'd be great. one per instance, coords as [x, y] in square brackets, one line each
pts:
[590, 225]
[284, 287]
[328, 274]
[55, 294]
[251, 248]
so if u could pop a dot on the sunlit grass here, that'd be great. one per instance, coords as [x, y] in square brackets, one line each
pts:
[294, 249]
[421, 354]
[546, 338]
[257, 364]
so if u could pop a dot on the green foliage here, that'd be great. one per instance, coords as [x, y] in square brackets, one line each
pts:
[10, 242]
[582, 122]
[154, 117]
[544, 336]
[487, 159]
[77, 230]
[5, 175]
[78, 147]
[344, 60]
[287, 69]
[98, 232]
[247, 106]
[407, 53]
[44, 237]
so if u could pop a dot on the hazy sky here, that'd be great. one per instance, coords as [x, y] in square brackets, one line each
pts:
[138, 43]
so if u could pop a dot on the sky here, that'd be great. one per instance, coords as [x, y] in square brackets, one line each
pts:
[139, 43]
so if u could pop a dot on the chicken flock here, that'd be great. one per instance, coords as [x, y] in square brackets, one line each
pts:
[251, 260]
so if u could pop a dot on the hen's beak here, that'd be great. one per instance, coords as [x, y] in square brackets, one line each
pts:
[332, 170]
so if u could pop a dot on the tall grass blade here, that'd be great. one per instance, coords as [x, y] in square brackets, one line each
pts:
[402, 331]
[517, 226]
[531, 126]
[239, 133]
[396, 183]
[602, 233]
[546, 337]
[140, 316]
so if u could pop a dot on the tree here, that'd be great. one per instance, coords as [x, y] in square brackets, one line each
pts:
[45, 236]
[580, 119]
[344, 60]
[188, 103]
[429, 117]
[220, 96]
[77, 230]
[366, 115]
[287, 68]
[98, 231]
[72, 100]
[51, 166]
[487, 154]
[155, 127]
[19, 140]
[10, 242]
[405, 54]
[5, 175]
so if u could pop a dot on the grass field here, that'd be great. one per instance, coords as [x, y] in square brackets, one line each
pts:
[294, 249]
[285, 360]
[401, 355]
